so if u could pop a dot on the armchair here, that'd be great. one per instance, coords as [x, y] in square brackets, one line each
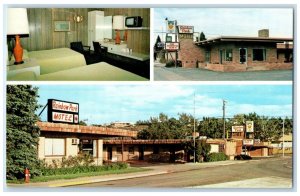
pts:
[79, 47]
[97, 48]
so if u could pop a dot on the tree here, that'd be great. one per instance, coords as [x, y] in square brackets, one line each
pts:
[158, 40]
[202, 149]
[158, 45]
[163, 127]
[202, 36]
[22, 133]
[211, 127]
[82, 123]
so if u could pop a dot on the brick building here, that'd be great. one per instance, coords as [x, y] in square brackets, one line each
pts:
[234, 53]
[228, 53]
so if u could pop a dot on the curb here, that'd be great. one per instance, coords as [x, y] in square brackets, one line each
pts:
[64, 184]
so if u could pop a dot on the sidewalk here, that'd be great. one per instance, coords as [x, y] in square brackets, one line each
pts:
[156, 169]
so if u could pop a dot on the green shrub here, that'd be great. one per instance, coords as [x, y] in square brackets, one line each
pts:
[170, 64]
[49, 171]
[216, 157]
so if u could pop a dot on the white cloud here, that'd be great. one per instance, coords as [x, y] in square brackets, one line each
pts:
[229, 21]
[108, 103]
[267, 110]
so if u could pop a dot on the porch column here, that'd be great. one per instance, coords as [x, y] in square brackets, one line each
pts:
[41, 148]
[100, 152]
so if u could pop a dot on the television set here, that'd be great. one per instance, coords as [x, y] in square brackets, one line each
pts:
[133, 21]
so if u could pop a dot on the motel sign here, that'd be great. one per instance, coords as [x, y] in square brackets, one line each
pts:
[63, 111]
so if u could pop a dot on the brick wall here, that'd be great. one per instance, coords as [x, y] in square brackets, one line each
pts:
[271, 62]
[189, 53]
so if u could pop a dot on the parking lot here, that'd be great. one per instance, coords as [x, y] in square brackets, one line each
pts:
[162, 73]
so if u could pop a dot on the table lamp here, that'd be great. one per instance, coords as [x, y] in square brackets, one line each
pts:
[17, 26]
[118, 24]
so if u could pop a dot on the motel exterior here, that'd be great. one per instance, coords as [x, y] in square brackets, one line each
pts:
[235, 53]
[106, 144]
[61, 136]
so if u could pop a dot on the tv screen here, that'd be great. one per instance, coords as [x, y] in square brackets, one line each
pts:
[130, 21]
[133, 21]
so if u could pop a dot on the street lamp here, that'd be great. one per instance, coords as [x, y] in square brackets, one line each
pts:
[194, 135]
[283, 138]
[224, 103]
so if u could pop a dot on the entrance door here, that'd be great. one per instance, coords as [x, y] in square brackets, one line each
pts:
[109, 153]
[221, 56]
[141, 152]
[243, 55]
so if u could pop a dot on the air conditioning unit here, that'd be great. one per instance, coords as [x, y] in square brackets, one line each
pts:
[75, 141]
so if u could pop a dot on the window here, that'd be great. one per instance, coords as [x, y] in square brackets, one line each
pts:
[207, 56]
[54, 147]
[228, 55]
[88, 147]
[131, 149]
[155, 150]
[119, 150]
[259, 54]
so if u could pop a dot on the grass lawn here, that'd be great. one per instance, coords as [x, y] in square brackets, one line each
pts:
[79, 175]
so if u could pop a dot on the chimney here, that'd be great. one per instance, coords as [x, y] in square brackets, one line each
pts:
[263, 33]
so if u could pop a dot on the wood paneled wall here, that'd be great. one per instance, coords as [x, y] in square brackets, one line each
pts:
[41, 26]
[42, 34]
[138, 40]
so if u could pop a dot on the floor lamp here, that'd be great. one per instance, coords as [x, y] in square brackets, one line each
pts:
[17, 26]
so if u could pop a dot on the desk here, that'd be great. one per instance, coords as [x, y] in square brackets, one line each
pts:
[118, 56]
[133, 55]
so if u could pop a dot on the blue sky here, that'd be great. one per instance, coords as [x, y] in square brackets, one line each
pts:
[229, 21]
[110, 103]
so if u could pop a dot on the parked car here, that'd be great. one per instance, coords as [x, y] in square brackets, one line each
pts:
[242, 157]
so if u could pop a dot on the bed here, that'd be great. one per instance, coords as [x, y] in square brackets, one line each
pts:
[57, 59]
[95, 72]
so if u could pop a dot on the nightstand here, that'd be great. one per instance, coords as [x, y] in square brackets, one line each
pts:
[28, 65]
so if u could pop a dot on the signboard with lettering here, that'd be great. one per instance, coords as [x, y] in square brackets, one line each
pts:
[185, 29]
[248, 142]
[249, 126]
[173, 46]
[237, 128]
[63, 111]
[171, 27]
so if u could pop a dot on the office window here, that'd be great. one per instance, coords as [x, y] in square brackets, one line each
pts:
[54, 147]
[228, 55]
[88, 147]
[259, 54]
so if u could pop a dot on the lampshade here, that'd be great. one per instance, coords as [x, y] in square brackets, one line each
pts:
[17, 21]
[118, 22]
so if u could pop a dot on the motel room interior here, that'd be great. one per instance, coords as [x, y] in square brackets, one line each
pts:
[78, 44]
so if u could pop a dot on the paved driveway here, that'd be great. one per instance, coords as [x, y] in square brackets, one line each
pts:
[196, 74]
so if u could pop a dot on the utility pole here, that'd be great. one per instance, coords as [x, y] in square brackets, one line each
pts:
[194, 135]
[283, 138]
[224, 102]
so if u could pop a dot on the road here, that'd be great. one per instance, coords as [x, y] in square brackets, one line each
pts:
[271, 168]
[196, 74]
